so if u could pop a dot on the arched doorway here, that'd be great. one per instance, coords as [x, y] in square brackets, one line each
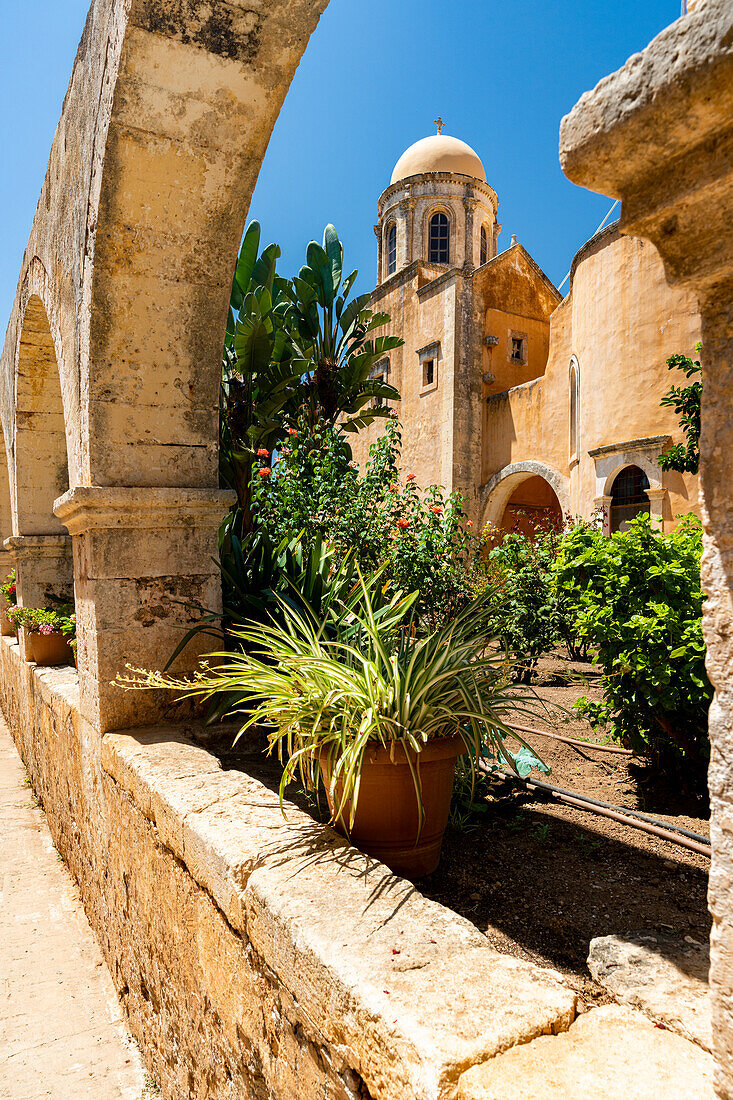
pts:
[41, 463]
[628, 497]
[533, 506]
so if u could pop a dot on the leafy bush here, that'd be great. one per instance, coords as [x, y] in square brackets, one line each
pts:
[534, 613]
[8, 588]
[686, 402]
[636, 597]
[311, 485]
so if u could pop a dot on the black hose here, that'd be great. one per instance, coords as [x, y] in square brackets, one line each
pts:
[552, 789]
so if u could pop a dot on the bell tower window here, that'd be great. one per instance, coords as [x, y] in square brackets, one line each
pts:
[392, 249]
[439, 239]
[484, 246]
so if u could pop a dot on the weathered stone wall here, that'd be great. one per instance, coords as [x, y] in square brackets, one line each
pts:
[258, 956]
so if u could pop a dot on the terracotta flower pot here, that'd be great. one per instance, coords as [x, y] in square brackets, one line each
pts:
[48, 649]
[6, 627]
[386, 822]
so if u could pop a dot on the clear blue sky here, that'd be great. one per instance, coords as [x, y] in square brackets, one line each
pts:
[376, 73]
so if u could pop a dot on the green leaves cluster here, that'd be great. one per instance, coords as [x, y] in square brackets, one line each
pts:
[295, 351]
[686, 402]
[421, 537]
[636, 598]
[533, 612]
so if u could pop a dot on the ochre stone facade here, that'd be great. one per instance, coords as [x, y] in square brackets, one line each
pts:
[492, 419]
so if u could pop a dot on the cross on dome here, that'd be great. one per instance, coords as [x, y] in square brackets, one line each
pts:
[439, 123]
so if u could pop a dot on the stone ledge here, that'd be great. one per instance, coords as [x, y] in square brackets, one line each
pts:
[99, 507]
[409, 994]
[612, 1053]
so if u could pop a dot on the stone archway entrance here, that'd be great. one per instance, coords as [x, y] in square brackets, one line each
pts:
[533, 506]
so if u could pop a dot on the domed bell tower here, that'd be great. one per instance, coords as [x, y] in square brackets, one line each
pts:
[438, 209]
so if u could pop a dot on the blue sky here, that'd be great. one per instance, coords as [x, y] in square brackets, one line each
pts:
[374, 77]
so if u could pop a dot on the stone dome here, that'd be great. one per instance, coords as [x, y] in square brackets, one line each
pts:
[439, 153]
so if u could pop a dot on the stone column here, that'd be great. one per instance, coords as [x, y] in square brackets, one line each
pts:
[378, 235]
[603, 504]
[657, 498]
[143, 558]
[658, 135]
[469, 258]
[43, 565]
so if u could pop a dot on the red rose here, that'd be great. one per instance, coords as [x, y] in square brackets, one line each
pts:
[265, 471]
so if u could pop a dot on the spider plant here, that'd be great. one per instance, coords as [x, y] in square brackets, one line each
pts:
[331, 685]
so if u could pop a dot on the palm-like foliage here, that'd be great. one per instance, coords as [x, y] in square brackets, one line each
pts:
[330, 338]
[354, 675]
[259, 376]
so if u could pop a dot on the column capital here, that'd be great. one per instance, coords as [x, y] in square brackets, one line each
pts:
[38, 546]
[101, 507]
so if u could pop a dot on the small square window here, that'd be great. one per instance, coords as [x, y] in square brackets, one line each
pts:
[517, 349]
[378, 401]
[428, 372]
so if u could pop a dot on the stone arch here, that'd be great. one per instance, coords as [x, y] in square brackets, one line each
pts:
[163, 130]
[41, 458]
[497, 492]
[645, 462]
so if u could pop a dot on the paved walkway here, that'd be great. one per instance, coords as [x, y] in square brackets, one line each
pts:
[61, 1029]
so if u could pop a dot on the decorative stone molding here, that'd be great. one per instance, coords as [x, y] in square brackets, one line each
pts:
[647, 443]
[495, 493]
[33, 547]
[91, 507]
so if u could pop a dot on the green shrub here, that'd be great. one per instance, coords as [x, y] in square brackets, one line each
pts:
[422, 538]
[534, 614]
[636, 598]
[8, 589]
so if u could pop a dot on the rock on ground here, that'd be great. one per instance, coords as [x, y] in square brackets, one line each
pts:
[612, 1053]
[665, 977]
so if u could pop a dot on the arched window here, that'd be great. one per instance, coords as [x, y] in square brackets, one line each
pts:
[439, 239]
[628, 497]
[574, 400]
[484, 246]
[392, 249]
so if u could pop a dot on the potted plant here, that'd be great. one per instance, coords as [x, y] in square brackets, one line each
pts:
[351, 695]
[11, 599]
[46, 634]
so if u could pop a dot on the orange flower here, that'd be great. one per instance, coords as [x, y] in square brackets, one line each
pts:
[411, 477]
[265, 471]
[394, 488]
[263, 452]
[437, 511]
[402, 523]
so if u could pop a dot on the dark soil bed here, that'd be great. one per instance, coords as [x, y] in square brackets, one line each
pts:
[541, 879]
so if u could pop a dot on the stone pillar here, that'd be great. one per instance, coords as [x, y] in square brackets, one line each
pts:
[603, 504]
[43, 565]
[469, 258]
[143, 557]
[378, 235]
[657, 498]
[658, 135]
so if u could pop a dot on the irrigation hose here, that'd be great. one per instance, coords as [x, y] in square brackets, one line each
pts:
[574, 741]
[676, 834]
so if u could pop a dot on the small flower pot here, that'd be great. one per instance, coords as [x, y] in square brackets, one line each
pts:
[386, 821]
[47, 649]
[6, 627]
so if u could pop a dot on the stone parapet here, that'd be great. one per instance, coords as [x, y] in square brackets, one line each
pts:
[257, 954]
